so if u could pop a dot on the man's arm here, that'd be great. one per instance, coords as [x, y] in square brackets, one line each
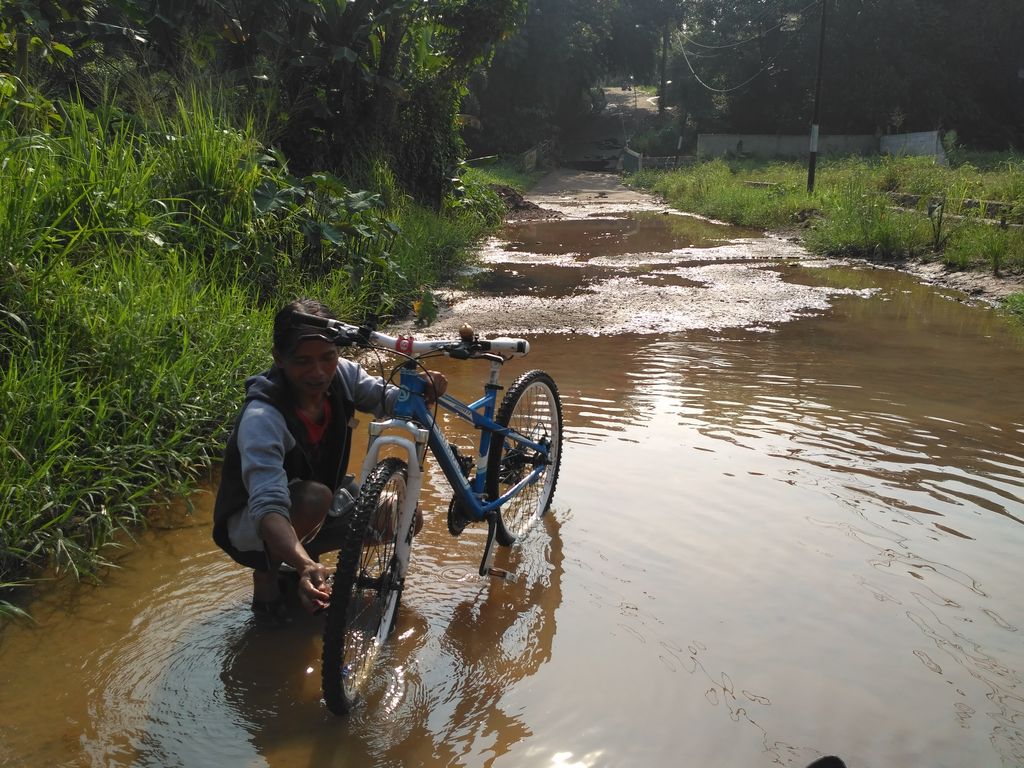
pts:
[371, 395]
[368, 393]
[283, 543]
[263, 441]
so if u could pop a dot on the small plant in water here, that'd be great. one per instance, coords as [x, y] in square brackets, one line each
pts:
[425, 308]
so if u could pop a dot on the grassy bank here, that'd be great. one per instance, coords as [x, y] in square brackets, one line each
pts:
[140, 267]
[853, 211]
[501, 172]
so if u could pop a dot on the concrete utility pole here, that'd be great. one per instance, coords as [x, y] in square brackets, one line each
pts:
[812, 159]
[664, 56]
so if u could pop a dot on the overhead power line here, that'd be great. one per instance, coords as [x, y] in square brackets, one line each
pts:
[753, 77]
[751, 39]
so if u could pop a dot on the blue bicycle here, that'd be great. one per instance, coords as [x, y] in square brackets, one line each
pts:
[509, 485]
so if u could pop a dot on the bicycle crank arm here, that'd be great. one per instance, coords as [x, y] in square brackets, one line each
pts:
[486, 569]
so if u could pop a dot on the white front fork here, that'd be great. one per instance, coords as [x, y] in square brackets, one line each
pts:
[414, 447]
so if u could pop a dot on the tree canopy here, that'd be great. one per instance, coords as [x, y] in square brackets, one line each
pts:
[333, 81]
[750, 65]
[889, 65]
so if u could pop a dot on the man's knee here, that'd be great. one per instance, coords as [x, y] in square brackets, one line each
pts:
[310, 499]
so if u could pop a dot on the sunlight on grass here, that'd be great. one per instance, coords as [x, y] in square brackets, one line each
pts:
[854, 211]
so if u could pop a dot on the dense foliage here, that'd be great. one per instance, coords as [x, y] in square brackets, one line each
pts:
[139, 272]
[170, 171]
[541, 76]
[328, 81]
[888, 66]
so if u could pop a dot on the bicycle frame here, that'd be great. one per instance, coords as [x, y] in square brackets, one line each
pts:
[412, 429]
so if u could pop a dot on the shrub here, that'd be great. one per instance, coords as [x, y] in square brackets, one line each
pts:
[863, 223]
[1014, 305]
[471, 195]
[977, 243]
[656, 141]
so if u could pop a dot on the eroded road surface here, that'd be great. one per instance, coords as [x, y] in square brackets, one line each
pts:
[612, 260]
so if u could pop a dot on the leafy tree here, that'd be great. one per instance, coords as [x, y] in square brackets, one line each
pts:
[338, 80]
[354, 77]
[540, 79]
[30, 29]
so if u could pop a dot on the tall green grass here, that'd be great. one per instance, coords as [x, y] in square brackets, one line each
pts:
[116, 390]
[1014, 306]
[859, 220]
[208, 171]
[852, 211]
[139, 272]
[719, 190]
[973, 245]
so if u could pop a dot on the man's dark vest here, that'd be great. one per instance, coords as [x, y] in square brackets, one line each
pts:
[326, 464]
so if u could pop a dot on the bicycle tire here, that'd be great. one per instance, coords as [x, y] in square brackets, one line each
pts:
[532, 408]
[366, 592]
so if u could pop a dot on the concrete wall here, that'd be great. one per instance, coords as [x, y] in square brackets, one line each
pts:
[925, 143]
[718, 144]
[537, 156]
[632, 161]
[528, 160]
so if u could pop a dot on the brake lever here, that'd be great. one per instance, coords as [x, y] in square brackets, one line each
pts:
[458, 351]
[362, 336]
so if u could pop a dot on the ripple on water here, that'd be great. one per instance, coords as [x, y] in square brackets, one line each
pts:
[176, 667]
[792, 541]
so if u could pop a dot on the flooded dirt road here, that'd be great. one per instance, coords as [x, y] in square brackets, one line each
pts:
[788, 524]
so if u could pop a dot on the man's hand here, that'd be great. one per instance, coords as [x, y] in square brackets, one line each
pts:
[314, 591]
[437, 385]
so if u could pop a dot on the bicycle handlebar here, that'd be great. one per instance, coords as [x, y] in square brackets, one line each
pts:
[468, 346]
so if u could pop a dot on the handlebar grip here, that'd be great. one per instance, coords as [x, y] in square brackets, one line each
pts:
[319, 322]
[503, 345]
[343, 334]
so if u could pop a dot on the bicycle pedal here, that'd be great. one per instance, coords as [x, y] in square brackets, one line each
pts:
[501, 573]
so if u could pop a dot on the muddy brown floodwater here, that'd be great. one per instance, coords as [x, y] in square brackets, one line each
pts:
[789, 523]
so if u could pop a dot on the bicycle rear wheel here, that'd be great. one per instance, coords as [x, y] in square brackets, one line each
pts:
[367, 587]
[532, 408]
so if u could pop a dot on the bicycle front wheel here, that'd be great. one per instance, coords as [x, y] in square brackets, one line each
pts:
[532, 409]
[367, 587]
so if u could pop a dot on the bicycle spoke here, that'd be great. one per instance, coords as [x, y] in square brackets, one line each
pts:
[531, 408]
[366, 589]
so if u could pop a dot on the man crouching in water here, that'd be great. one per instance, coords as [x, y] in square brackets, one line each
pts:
[287, 455]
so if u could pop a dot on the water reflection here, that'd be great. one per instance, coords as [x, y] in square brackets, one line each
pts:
[487, 648]
[438, 697]
[637, 232]
[188, 679]
[887, 421]
[155, 697]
